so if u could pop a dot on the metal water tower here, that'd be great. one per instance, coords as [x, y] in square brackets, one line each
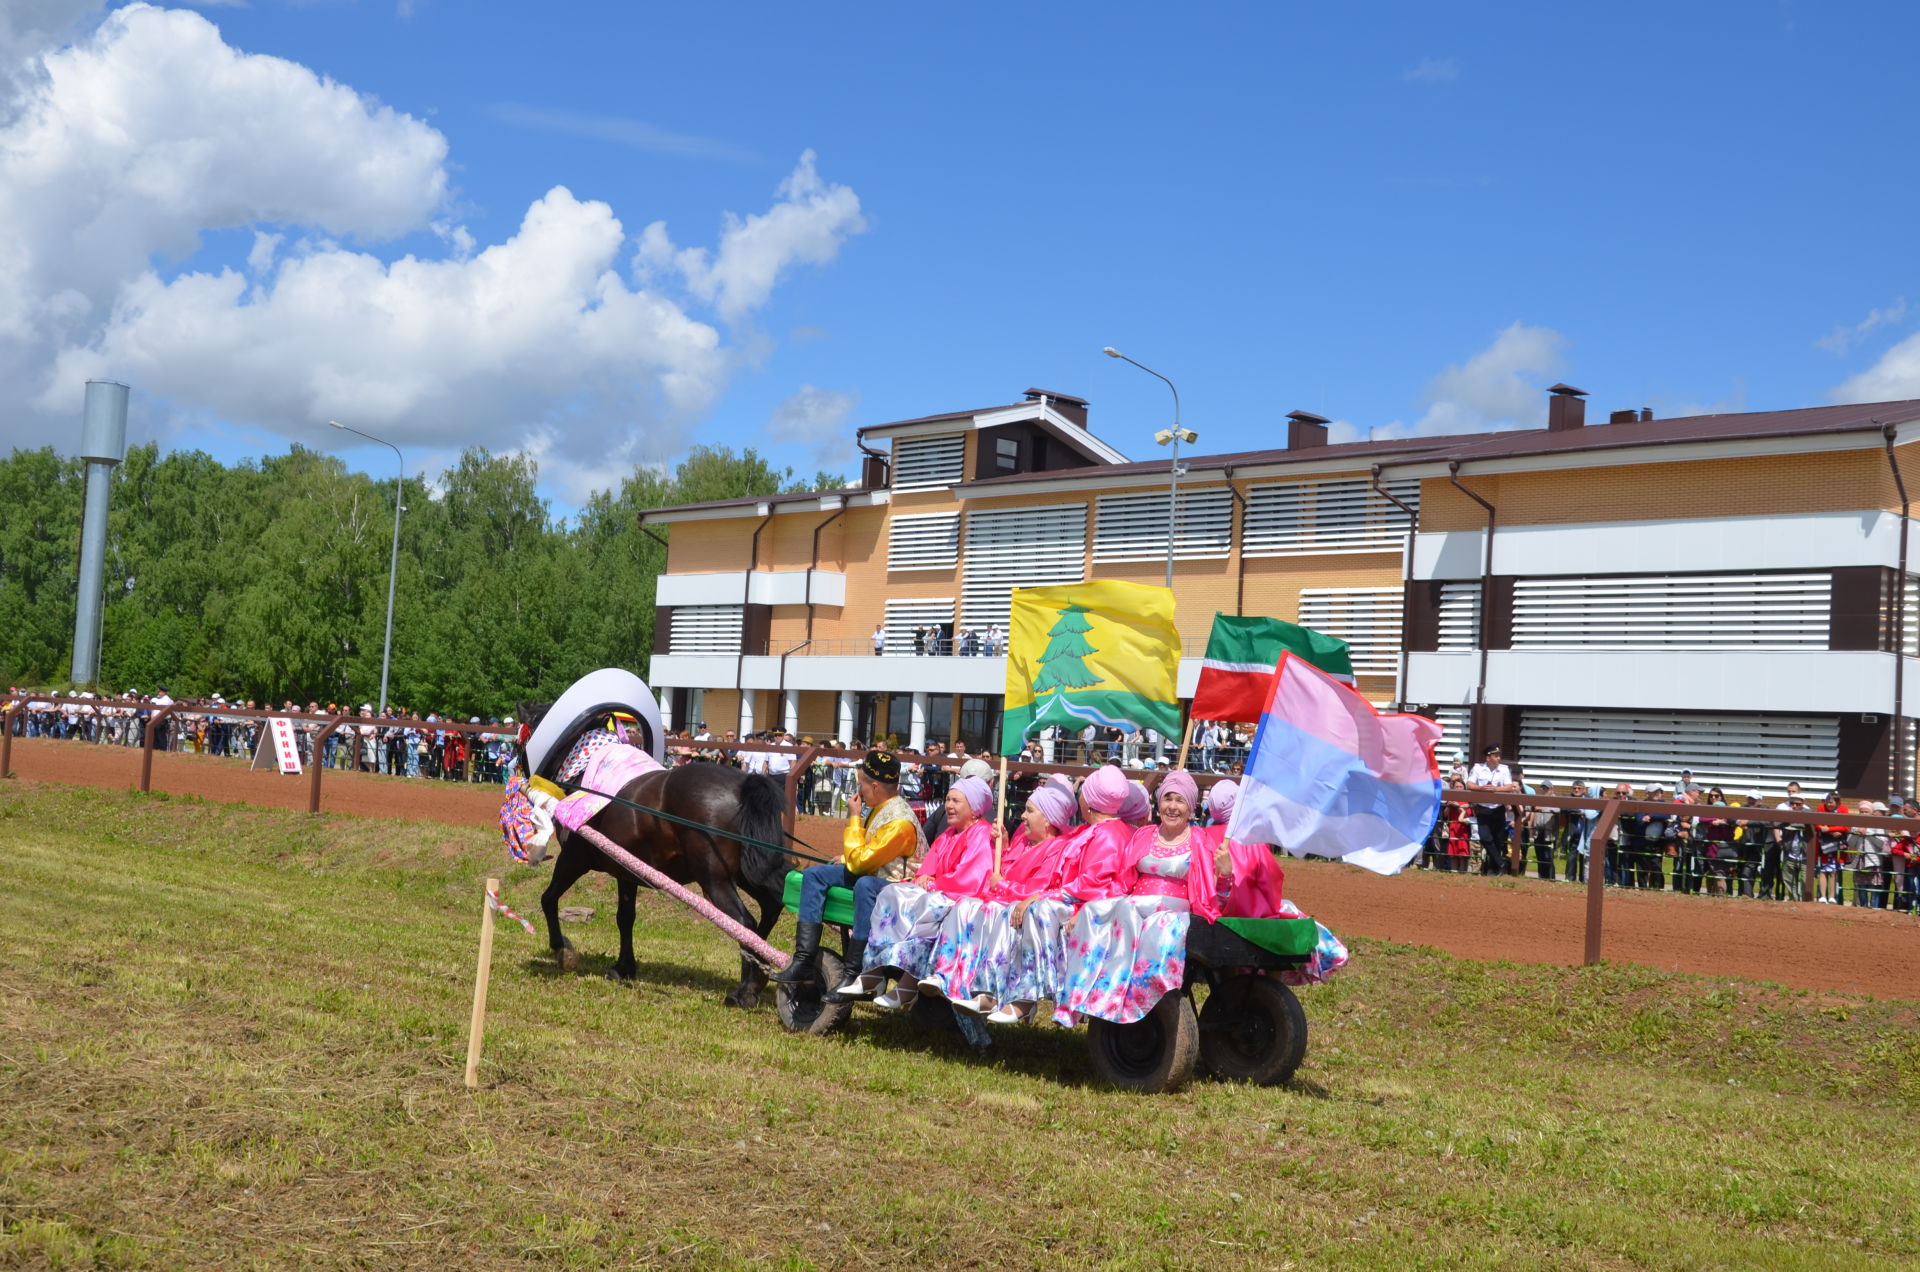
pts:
[103, 444]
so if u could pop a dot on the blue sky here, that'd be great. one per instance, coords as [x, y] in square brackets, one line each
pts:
[1396, 215]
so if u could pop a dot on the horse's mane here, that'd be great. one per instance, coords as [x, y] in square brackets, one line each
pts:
[532, 713]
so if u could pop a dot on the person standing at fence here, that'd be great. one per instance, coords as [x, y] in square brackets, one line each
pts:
[1868, 849]
[1759, 854]
[1832, 846]
[1793, 847]
[1906, 857]
[1543, 828]
[1491, 775]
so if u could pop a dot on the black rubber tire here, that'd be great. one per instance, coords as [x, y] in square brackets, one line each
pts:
[1252, 1029]
[803, 1008]
[1156, 1053]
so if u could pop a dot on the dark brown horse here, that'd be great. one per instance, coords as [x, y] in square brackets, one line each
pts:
[748, 804]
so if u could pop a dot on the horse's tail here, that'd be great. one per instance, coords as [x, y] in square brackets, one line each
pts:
[763, 804]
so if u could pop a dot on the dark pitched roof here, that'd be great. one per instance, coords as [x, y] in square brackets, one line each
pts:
[1360, 453]
[1805, 421]
[944, 415]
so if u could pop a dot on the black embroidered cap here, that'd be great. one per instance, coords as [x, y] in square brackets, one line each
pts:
[882, 766]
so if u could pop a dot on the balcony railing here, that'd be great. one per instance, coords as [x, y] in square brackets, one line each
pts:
[943, 648]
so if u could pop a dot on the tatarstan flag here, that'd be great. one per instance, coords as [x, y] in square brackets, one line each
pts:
[1236, 676]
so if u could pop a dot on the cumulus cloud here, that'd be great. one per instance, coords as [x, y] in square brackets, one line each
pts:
[1838, 340]
[815, 418]
[1895, 377]
[1434, 70]
[1500, 387]
[127, 147]
[805, 226]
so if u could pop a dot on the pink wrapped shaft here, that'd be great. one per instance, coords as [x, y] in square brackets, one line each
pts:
[749, 940]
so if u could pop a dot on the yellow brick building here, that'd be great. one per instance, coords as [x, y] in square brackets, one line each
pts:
[1722, 593]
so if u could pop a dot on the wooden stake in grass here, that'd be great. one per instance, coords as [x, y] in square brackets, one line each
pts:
[478, 1025]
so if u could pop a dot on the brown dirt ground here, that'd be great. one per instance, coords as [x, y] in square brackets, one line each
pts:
[1817, 947]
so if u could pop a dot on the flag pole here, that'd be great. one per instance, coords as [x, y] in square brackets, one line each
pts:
[1186, 732]
[1000, 818]
[477, 1026]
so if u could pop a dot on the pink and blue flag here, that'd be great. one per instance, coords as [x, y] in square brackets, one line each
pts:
[1331, 776]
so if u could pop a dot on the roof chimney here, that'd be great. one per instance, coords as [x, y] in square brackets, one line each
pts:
[1066, 404]
[1646, 414]
[1565, 409]
[1304, 429]
[1627, 416]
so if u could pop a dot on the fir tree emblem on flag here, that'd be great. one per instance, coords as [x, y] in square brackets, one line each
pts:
[1099, 653]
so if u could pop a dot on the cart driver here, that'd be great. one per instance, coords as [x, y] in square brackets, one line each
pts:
[882, 840]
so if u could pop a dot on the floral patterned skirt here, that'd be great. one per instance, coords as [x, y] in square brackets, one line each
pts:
[1329, 954]
[958, 953]
[906, 924]
[1123, 956]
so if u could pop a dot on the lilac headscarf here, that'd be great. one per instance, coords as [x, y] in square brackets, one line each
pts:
[1105, 789]
[1054, 804]
[1180, 782]
[1062, 781]
[978, 794]
[1139, 805]
[1221, 799]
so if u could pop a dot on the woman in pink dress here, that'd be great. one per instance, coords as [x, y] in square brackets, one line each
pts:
[976, 940]
[1128, 951]
[907, 916]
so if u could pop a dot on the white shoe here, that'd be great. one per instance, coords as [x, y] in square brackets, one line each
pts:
[977, 1005]
[855, 988]
[1011, 1014]
[933, 985]
[897, 997]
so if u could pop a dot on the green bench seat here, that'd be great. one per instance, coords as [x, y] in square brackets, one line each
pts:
[1290, 938]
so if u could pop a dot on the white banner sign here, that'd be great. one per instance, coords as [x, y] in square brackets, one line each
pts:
[278, 745]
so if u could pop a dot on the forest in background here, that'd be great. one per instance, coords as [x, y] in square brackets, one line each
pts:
[267, 579]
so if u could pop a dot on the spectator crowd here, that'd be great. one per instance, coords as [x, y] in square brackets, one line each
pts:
[1714, 851]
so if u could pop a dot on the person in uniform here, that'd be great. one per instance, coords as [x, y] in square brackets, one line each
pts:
[881, 841]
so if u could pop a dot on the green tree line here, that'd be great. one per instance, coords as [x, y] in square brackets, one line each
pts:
[267, 579]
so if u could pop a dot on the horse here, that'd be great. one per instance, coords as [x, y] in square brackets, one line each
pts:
[749, 804]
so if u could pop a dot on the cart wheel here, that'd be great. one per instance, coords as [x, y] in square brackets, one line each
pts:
[1155, 1053]
[1252, 1029]
[804, 1008]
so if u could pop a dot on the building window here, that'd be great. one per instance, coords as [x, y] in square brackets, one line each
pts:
[1459, 616]
[1006, 454]
[1677, 612]
[932, 617]
[980, 722]
[1134, 527]
[929, 542]
[927, 463]
[706, 629]
[1367, 618]
[1318, 518]
[1738, 753]
[1019, 547]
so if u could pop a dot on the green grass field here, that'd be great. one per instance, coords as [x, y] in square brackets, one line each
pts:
[233, 1038]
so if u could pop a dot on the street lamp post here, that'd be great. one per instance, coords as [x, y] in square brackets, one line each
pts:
[1175, 436]
[393, 562]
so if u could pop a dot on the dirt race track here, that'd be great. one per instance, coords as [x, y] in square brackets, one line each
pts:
[1817, 947]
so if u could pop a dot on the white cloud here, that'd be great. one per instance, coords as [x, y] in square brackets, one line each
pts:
[1500, 387]
[805, 226]
[1895, 377]
[622, 131]
[816, 419]
[1434, 70]
[151, 132]
[1837, 340]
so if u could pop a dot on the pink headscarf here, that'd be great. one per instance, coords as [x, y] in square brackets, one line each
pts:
[1180, 782]
[1105, 789]
[978, 794]
[1054, 804]
[1138, 806]
[1221, 799]
[1062, 781]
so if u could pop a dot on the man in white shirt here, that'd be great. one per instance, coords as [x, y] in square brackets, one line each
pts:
[879, 640]
[1491, 775]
